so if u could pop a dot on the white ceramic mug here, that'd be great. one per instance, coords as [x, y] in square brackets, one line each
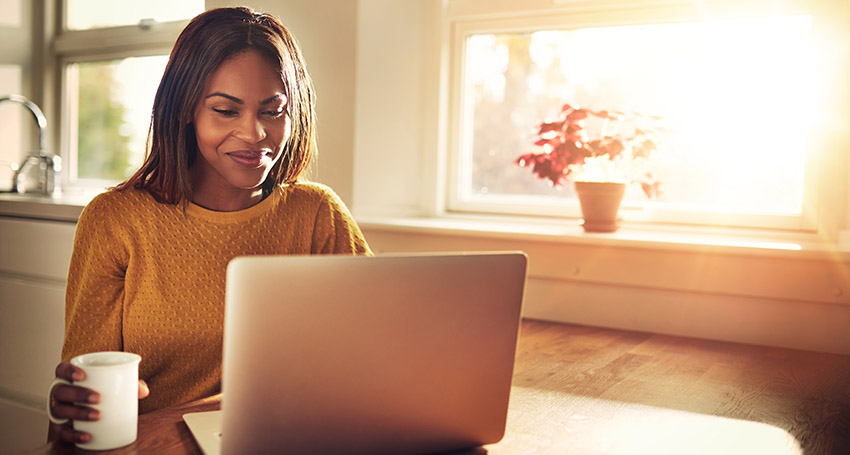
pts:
[115, 376]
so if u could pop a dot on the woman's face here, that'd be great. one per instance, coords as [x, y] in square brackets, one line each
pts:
[241, 127]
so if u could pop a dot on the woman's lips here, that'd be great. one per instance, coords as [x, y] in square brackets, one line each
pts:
[249, 159]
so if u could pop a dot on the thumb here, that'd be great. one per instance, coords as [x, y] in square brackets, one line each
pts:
[143, 389]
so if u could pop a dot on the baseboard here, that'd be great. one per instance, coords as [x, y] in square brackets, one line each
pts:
[809, 326]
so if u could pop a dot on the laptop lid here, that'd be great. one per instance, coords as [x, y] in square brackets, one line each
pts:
[355, 354]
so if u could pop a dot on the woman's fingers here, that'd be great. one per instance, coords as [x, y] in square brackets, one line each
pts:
[67, 434]
[72, 412]
[143, 389]
[69, 394]
[69, 372]
[63, 407]
[65, 404]
[68, 402]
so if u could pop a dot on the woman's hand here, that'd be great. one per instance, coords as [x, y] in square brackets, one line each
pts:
[65, 403]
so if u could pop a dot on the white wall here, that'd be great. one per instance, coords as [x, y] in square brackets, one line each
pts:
[392, 134]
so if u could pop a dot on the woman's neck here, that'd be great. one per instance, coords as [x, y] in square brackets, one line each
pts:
[220, 202]
[219, 197]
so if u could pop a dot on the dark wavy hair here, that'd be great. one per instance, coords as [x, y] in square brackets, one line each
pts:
[208, 40]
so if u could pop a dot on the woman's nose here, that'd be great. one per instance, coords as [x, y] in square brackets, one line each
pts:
[251, 129]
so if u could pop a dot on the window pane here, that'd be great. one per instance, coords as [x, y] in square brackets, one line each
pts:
[111, 102]
[14, 124]
[734, 94]
[86, 14]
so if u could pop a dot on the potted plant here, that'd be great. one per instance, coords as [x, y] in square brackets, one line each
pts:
[600, 168]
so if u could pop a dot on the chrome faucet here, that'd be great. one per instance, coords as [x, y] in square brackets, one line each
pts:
[37, 164]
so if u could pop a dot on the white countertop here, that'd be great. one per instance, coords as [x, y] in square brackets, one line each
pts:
[62, 206]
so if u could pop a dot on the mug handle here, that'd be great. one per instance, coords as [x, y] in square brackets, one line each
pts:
[50, 415]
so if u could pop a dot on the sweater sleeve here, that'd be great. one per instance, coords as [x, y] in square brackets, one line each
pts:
[335, 231]
[95, 290]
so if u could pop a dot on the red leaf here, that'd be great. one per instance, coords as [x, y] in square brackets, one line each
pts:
[609, 115]
[577, 114]
[550, 126]
[651, 190]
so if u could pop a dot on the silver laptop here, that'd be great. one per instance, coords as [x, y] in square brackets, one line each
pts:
[357, 355]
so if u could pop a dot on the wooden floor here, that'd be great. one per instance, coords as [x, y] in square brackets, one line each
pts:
[628, 392]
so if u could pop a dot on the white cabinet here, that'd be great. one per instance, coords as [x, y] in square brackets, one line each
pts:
[34, 257]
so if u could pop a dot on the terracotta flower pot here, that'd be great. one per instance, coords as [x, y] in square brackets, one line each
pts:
[600, 205]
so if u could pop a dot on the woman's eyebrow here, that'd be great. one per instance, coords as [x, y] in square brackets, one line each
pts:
[225, 95]
[236, 100]
[276, 97]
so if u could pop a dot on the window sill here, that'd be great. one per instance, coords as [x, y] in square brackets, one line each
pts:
[630, 235]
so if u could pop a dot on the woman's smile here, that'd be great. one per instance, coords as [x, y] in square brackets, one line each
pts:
[251, 159]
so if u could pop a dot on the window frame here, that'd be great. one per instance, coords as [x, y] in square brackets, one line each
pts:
[79, 46]
[468, 17]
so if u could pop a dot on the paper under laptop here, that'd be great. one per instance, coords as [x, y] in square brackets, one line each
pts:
[353, 354]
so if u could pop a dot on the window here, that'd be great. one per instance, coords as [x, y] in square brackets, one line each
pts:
[111, 110]
[111, 57]
[736, 94]
[91, 14]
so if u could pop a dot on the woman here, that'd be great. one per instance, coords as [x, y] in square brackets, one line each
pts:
[232, 130]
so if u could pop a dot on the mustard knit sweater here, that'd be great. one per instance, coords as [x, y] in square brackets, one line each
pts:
[148, 278]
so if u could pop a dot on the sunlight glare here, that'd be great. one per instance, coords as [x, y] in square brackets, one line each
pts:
[735, 95]
[486, 63]
[597, 425]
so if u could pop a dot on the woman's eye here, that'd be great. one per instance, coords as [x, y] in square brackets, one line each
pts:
[274, 113]
[225, 112]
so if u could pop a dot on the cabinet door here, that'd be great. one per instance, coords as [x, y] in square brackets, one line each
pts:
[34, 257]
[31, 332]
[36, 249]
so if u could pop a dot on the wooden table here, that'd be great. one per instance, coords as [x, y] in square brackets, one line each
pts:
[583, 390]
